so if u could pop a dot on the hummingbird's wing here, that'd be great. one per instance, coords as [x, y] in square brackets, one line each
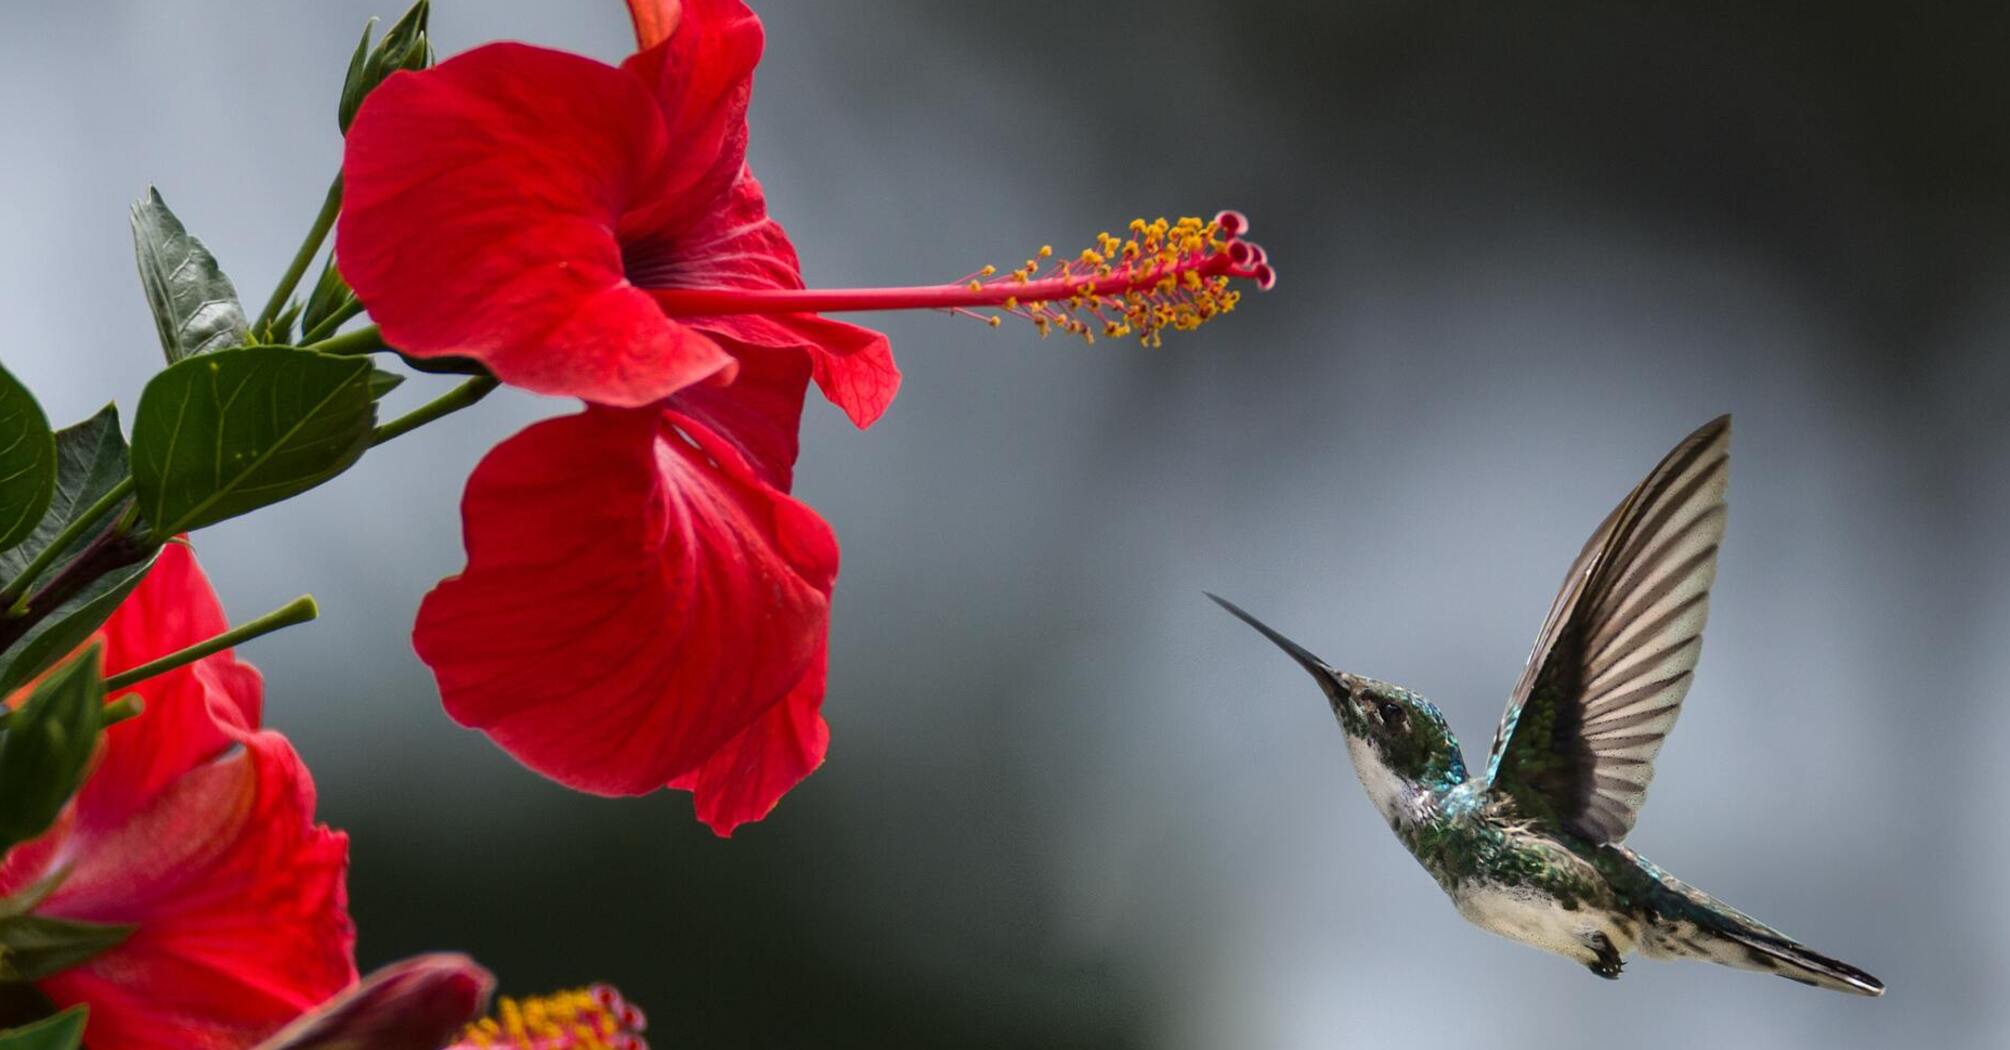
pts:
[1607, 675]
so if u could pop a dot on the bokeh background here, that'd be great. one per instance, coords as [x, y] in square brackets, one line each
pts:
[1524, 249]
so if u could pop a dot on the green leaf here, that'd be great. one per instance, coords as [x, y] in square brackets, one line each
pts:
[382, 382]
[65, 1031]
[27, 461]
[47, 746]
[195, 306]
[404, 47]
[34, 946]
[70, 624]
[90, 460]
[238, 429]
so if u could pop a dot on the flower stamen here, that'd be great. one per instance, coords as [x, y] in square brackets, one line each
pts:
[1163, 274]
[595, 1018]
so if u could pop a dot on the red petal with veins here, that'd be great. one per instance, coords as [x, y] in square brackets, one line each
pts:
[636, 596]
[760, 412]
[738, 245]
[479, 203]
[197, 829]
[702, 77]
[744, 779]
[513, 204]
[239, 902]
[209, 702]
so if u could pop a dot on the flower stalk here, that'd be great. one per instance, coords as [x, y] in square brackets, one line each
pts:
[298, 611]
[324, 220]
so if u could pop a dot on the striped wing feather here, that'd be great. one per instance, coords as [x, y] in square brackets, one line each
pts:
[1606, 678]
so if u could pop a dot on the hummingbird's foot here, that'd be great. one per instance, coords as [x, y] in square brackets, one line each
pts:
[1608, 964]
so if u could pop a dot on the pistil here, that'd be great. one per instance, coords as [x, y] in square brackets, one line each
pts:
[1176, 275]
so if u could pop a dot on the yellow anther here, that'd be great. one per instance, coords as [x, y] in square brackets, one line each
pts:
[581, 1019]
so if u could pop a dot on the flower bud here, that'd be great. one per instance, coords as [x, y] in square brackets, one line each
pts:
[404, 46]
[417, 1004]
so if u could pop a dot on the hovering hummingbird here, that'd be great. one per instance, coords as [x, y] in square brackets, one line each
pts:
[1531, 850]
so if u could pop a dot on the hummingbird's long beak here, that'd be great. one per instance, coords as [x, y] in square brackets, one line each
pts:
[1336, 684]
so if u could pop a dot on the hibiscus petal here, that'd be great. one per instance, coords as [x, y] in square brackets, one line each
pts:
[737, 245]
[702, 75]
[192, 713]
[635, 597]
[479, 203]
[760, 412]
[240, 905]
[744, 779]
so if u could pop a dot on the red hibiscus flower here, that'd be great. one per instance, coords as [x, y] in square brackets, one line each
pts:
[197, 829]
[643, 604]
[514, 204]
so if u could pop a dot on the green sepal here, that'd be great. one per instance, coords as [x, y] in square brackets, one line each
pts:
[27, 462]
[91, 459]
[46, 748]
[195, 306]
[331, 294]
[34, 946]
[239, 429]
[64, 1031]
[404, 46]
[382, 382]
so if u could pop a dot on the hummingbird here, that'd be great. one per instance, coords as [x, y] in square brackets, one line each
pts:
[1531, 849]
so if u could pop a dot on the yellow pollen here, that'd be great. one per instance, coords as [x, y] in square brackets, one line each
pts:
[579, 1019]
[1159, 269]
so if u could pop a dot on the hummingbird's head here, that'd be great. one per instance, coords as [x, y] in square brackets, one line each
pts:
[1401, 745]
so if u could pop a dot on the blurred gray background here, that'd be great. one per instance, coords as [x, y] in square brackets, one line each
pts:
[1524, 249]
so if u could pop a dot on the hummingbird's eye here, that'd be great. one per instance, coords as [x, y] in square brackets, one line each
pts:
[1392, 714]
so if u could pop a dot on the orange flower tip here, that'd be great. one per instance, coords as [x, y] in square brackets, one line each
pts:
[594, 1018]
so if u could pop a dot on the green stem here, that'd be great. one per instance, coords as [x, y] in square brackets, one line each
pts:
[121, 709]
[335, 320]
[446, 404]
[299, 610]
[304, 257]
[361, 341]
[15, 597]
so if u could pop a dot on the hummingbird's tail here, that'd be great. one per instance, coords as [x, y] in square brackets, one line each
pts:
[1691, 924]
